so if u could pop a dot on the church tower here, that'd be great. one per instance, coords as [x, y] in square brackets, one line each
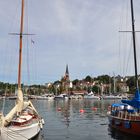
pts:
[67, 73]
[66, 80]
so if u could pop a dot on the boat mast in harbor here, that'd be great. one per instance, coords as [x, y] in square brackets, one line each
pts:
[134, 45]
[20, 45]
[23, 121]
[125, 116]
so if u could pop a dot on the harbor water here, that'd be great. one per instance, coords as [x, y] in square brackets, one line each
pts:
[74, 120]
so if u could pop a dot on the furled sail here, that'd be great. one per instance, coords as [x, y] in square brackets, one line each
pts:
[16, 110]
[19, 101]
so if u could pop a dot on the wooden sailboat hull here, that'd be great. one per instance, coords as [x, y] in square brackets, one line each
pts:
[19, 132]
[125, 125]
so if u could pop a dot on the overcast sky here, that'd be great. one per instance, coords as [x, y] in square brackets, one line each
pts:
[81, 33]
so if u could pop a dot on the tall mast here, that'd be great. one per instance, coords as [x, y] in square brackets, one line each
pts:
[20, 45]
[134, 44]
[114, 84]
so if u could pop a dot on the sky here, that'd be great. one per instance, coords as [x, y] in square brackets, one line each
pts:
[81, 33]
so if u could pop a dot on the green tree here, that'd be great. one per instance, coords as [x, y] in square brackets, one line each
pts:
[103, 79]
[131, 83]
[95, 89]
[75, 82]
[88, 79]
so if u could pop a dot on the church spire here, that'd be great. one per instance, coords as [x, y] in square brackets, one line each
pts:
[67, 73]
[67, 70]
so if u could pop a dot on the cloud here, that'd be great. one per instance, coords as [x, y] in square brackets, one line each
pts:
[80, 33]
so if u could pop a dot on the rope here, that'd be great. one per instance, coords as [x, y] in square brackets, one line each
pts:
[130, 52]
[124, 39]
[8, 59]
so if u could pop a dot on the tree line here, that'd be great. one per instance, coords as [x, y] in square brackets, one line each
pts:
[88, 84]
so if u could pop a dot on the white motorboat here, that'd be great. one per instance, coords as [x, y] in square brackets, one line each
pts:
[61, 96]
[111, 97]
[91, 96]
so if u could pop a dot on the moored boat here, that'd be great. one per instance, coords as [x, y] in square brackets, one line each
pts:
[91, 96]
[23, 122]
[125, 116]
[61, 96]
[111, 97]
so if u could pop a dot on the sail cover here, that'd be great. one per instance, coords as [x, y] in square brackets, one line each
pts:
[19, 101]
[135, 102]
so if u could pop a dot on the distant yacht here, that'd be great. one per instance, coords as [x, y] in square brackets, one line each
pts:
[61, 96]
[111, 97]
[91, 96]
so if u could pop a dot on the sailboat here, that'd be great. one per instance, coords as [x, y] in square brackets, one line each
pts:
[23, 122]
[91, 96]
[125, 116]
[112, 96]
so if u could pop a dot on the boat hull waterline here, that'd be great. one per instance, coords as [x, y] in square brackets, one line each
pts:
[19, 132]
[125, 125]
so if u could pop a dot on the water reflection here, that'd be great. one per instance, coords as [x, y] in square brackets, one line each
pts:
[63, 107]
[64, 120]
[117, 135]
